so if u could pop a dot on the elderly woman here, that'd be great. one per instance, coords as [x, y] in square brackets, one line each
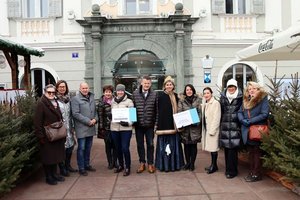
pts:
[63, 99]
[122, 131]
[211, 128]
[191, 134]
[255, 111]
[169, 156]
[230, 135]
[104, 114]
[52, 153]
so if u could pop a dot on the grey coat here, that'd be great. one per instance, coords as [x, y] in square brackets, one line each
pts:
[83, 111]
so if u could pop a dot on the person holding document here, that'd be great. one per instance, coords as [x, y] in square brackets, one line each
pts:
[191, 134]
[169, 155]
[122, 131]
[211, 128]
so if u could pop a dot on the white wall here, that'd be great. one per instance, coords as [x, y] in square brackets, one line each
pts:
[4, 30]
[273, 15]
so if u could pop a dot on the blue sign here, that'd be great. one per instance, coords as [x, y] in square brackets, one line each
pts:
[207, 77]
[75, 55]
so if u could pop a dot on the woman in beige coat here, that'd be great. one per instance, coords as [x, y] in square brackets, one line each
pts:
[211, 128]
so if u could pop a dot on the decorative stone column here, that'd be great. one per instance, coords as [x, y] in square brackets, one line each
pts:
[96, 22]
[179, 19]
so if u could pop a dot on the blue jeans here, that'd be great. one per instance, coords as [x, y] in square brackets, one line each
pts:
[83, 152]
[122, 141]
[140, 134]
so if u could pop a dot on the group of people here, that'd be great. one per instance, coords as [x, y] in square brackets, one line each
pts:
[222, 124]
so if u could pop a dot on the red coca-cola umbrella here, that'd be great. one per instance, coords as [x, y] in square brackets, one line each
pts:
[284, 45]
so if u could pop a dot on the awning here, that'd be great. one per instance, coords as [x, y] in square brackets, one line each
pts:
[282, 46]
[20, 49]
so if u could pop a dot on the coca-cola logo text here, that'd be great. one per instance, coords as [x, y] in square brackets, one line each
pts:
[265, 46]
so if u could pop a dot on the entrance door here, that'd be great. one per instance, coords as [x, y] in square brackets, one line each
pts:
[133, 65]
[39, 79]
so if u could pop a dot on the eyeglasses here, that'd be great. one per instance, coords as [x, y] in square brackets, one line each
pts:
[48, 92]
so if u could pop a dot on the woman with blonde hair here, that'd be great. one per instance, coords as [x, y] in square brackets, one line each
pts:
[254, 111]
[169, 155]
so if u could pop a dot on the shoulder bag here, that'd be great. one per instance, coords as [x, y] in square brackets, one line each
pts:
[55, 131]
[256, 131]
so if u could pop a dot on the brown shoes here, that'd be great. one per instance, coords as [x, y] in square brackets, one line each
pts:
[141, 168]
[151, 169]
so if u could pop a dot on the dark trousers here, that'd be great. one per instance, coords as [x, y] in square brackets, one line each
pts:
[190, 153]
[231, 161]
[110, 149]
[148, 133]
[122, 141]
[255, 159]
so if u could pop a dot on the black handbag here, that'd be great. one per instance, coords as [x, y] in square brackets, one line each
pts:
[56, 131]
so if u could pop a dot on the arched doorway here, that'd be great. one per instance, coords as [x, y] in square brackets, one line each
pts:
[134, 64]
[242, 73]
[39, 79]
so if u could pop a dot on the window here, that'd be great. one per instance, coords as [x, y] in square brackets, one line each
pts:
[36, 8]
[235, 6]
[136, 7]
[240, 72]
[238, 6]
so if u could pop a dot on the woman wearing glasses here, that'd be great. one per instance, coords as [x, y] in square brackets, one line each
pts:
[52, 153]
[63, 98]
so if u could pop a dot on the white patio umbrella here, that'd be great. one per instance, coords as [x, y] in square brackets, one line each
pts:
[282, 46]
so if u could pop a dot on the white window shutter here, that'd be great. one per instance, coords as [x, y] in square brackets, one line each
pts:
[218, 7]
[258, 7]
[55, 8]
[13, 8]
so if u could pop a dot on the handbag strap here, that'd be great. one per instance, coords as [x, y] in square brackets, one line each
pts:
[249, 114]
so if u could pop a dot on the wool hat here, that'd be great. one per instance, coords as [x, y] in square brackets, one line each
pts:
[232, 82]
[120, 87]
[167, 79]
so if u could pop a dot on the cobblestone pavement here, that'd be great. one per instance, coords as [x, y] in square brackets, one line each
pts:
[181, 185]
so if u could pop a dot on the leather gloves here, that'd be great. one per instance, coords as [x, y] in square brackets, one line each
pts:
[246, 122]
[124, 123]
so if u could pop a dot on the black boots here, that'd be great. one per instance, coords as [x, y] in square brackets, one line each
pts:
[190, 152]
[63, 169]
[213, 167]
[51, 177]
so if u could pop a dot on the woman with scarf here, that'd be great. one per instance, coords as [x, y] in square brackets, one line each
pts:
[191, 134]
[211, 128]
[52, 153]
[104, 114]
[169, 155]
[63, 99]
[230, 135]
[255, 111]
[122, 131]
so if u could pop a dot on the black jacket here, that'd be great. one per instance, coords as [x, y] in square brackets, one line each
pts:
[146, 108]
[230, 135]
[104, 114]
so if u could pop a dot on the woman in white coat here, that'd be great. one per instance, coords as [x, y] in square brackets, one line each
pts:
[211, 128]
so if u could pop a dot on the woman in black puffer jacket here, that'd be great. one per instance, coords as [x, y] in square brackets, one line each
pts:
[230, 135]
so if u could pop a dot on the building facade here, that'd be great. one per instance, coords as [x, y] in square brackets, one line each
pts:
[118, 41]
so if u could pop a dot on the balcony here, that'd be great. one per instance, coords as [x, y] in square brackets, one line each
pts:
[35, 30]
[238, 23]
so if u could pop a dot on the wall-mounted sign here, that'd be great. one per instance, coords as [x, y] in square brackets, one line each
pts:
[75, 55]
[207, 77]
[207, 62]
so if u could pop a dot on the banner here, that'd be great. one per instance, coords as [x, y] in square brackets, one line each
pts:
[123, 114]
[186, 118]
